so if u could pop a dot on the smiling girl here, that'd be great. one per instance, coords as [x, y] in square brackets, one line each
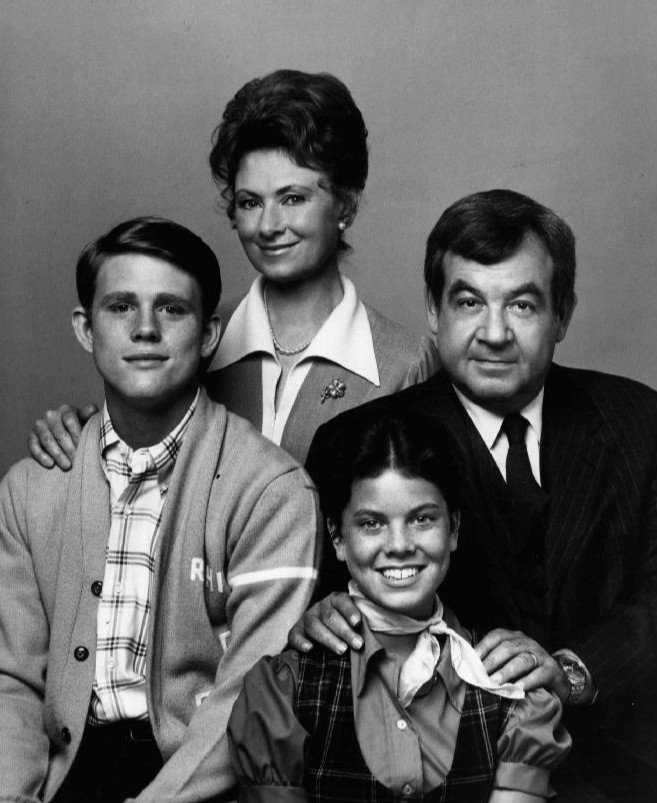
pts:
[413, 715]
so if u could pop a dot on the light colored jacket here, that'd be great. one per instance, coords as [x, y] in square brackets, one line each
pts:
[234, 570]
[403, 359]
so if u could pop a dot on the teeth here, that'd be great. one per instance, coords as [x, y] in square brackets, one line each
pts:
[399, 574]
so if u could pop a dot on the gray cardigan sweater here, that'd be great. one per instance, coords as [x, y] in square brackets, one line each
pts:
[234, 570]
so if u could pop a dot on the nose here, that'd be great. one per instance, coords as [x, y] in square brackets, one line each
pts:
[399, 540]
[271, 221]
[146, 325]
[494, 329]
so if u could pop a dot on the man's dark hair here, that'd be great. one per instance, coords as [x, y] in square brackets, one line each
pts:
[366, 446]
[489, 227]
[312, 117]
[155, 237]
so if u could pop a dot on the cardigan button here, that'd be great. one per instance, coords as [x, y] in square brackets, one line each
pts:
[81, 653]
[97, 588]
[407, 790]
[402, 724]
[66, 735]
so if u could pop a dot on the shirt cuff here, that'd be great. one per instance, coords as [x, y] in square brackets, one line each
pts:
[523, 778]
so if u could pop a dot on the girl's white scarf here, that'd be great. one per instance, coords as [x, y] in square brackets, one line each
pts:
[420, 665]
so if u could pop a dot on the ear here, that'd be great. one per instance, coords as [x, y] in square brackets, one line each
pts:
[455, 523]
[336, 539]
[211, 336]
[81, 320]
[432, 311]
[348, 206]
[564, 322]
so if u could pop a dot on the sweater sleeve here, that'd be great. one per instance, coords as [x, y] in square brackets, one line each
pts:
[271, 574]
[24, 637]
[532, 744]
[266, 740]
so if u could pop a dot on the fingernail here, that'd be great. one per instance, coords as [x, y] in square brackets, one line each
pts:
[357, 642]
[306, 646]
[342, 648]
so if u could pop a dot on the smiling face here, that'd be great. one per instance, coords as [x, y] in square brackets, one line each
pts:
[146, 332]
[396, 537]
[286, 217]
[496, 328]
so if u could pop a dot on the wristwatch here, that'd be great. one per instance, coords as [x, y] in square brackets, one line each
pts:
[579, 677]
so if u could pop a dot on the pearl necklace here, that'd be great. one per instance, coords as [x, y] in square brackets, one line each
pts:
[285, 352]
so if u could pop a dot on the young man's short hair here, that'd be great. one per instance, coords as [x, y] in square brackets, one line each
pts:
[155, 237]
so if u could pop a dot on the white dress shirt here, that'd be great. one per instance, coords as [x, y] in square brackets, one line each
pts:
[489, 426]
[344, 338]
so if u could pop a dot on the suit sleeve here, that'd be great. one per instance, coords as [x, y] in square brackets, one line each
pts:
[271, 574]
[620, 651]
[24, 637]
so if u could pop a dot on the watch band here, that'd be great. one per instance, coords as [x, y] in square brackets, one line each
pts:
[582, 691]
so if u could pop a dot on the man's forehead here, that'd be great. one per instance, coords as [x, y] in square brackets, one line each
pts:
[530, 263]
[143, 275]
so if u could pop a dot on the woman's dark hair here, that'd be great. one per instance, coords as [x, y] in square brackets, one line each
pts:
[371, 444]
[310, 116]
[156, 237]
[489, 227]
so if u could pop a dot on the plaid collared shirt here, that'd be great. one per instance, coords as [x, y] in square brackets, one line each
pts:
[138, 481]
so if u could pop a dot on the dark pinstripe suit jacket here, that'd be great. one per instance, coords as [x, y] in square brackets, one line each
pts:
[599, 465]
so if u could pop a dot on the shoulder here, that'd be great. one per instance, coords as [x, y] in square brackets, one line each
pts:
[616, 397]
[250, 468]
[389, 334]
[32, 485]
[393, 341]
[244, 445]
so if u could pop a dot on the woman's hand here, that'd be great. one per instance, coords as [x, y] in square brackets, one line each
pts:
[55, 437]
[330, 622]
[509, 655]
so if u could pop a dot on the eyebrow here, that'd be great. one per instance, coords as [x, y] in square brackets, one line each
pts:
[280, 191]
[528, 288]
[133, 298]
[413, 511]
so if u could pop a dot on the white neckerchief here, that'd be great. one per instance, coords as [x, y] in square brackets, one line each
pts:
[420, 665]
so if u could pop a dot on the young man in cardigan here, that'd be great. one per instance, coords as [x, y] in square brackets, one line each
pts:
[137, 589]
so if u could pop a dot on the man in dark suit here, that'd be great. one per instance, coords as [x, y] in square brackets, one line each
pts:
[558, 469]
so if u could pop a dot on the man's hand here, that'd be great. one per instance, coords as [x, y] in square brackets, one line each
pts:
[55, 437]
[330, 622]
[510, 655]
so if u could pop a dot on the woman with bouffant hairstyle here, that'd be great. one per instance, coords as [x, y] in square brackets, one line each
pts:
[290, 155]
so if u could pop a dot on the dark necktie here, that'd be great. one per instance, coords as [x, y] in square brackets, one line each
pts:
[528, 520]
[525, 491]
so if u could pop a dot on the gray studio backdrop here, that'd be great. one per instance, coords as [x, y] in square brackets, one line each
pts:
[106, 111]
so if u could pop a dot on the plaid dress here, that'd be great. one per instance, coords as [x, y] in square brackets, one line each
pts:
[335, 768]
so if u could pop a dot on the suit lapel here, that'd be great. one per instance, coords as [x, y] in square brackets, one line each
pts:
[308, 412]
[479, 476]
[574, 460]
[228, 385]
